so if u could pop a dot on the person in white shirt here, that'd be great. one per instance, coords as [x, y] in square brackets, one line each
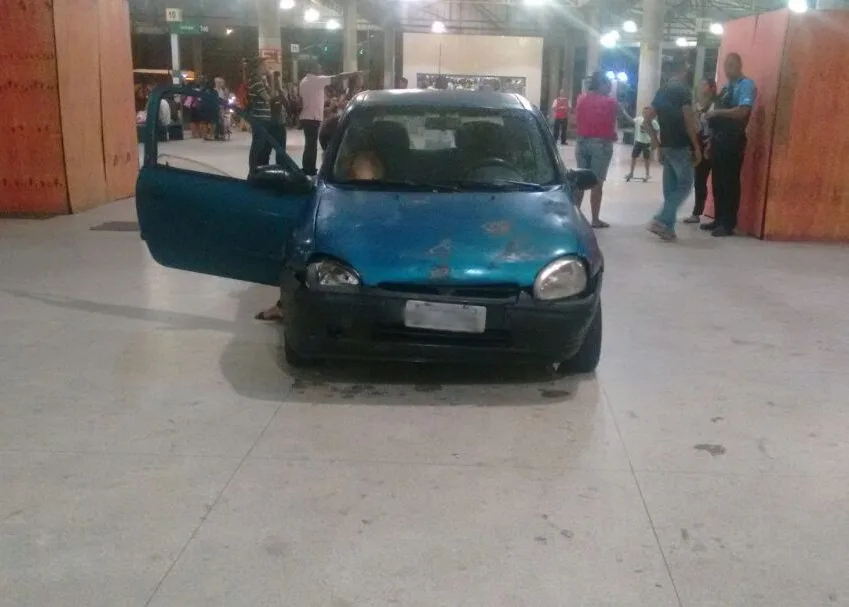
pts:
[642, 146]
[312, 93]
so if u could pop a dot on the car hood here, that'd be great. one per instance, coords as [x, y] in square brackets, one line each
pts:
[445, 238]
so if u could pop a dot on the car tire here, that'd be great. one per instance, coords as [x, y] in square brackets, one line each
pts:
[586, 359]
[293, 359]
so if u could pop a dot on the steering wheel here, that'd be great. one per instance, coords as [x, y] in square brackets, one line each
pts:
[493, 162]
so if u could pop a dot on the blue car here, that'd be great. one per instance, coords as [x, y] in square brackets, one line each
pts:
[441, 227]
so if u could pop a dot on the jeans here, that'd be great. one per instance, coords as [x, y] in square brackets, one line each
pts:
[701, 180]
[311, 128]
[261, 146]
[677, 183]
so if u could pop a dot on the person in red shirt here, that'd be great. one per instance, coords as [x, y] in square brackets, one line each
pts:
[595, 117]
[560, 109]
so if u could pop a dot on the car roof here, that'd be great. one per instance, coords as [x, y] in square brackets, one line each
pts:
[441, 98]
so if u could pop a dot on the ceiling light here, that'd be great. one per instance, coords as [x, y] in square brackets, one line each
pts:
[437, 27]
[228, 31]
[286, 5]
[622, 77]
[609, 39]
[610, 75]
[332, 24]
[716, 29]
[682, 42]
[629, 27]
[311, 15]
[797, 6]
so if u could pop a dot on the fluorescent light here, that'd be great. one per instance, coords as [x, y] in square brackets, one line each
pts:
[610, 75]
[311, 15]
[629, 27]
[716, 29]
[286, 5]
[622, 77]
[682, 42]
[228, 31]
[798, 6]
[437, 27]
[332, 24]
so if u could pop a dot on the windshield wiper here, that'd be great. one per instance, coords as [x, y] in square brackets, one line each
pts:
[404, 184]
[502, 185]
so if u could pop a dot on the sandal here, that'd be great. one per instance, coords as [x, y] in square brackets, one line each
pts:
[598, 223]
[274, 313]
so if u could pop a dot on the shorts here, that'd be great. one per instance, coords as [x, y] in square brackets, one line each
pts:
[641, 148]
[595, 155]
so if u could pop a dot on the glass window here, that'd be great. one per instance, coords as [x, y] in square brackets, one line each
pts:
[461, 148]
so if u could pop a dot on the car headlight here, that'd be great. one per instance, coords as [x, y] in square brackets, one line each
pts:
[331, 273]
[561, 278]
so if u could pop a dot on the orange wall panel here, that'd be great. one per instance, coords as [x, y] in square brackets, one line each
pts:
[760, 41]
[808, 195]
[32, 166]
[77, 27]
[120, 147]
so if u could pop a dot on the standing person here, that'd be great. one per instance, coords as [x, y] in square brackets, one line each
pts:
[560, 110]
[278, 114]
[595, 117]
[312, 94]
[728, 121]
[677, 146]
[705, 104]
[259, 109]
[642, 145]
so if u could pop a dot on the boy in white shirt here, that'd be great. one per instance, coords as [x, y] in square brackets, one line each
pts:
[642, 147]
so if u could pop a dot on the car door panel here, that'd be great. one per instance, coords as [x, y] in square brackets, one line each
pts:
[213, 224]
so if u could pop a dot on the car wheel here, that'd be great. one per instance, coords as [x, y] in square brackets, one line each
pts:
[293, 359]
[586, 360]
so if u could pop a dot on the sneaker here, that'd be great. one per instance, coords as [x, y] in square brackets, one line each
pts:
[721, 232]
[709, 226]
[661, 231]
[692, 219]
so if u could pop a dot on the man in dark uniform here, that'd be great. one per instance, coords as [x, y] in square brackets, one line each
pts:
[728, 123]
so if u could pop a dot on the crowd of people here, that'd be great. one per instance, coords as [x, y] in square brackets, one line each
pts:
[694, 142]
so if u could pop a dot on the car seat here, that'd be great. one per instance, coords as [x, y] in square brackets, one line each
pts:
[391, 142]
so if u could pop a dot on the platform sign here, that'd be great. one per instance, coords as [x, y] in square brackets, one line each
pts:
[188, 28]
[294, 48]
[173, 15]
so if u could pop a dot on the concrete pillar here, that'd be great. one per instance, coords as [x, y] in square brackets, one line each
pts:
[699, 68]
[651, 57]
[197, 55]
[593, 42]
[568, 78]
[555, 73]
[270, 42]
[349, 36]
[389, 53]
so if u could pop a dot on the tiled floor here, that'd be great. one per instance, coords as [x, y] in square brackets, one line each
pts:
[155, 449]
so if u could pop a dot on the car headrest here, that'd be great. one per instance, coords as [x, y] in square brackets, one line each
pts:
[389, 137]
[480, 137]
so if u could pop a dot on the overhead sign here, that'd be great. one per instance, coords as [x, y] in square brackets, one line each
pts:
[187, 28]
[295, 48]
[703, 24]
[173, 15]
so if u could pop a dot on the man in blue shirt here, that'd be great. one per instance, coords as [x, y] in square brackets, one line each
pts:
[728, 123]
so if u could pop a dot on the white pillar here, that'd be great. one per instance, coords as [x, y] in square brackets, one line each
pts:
[593, 34]
[651, 58]
[349, 36]
[389, 58]
[270, 43]
[176, 76]
[555, 74]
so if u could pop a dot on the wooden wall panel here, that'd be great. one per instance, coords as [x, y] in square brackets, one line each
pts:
[77, 26]
[808, 195]
[120, 148]
[32, 169]
[760, 41]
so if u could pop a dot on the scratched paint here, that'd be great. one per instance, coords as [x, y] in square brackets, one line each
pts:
[497, 228]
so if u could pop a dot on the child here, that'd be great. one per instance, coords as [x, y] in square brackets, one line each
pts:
[642, 146]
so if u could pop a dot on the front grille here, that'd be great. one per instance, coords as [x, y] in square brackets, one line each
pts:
[492, 291]
[490, 338]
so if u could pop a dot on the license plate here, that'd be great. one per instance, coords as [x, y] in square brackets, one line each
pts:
[456, 318]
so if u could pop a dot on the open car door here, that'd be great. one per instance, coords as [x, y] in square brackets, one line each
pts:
[207, 221]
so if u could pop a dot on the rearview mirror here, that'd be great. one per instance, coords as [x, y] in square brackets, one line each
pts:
[280, 179]
[581, 179]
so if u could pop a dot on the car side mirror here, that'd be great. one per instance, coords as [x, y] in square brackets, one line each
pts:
[581, 179]
[280, 179]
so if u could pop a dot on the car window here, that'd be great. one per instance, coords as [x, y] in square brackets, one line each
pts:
[463, 147]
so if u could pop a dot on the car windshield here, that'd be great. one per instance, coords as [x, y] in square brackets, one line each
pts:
[443, 149]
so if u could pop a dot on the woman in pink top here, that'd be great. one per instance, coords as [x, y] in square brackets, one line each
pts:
[595, 117]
